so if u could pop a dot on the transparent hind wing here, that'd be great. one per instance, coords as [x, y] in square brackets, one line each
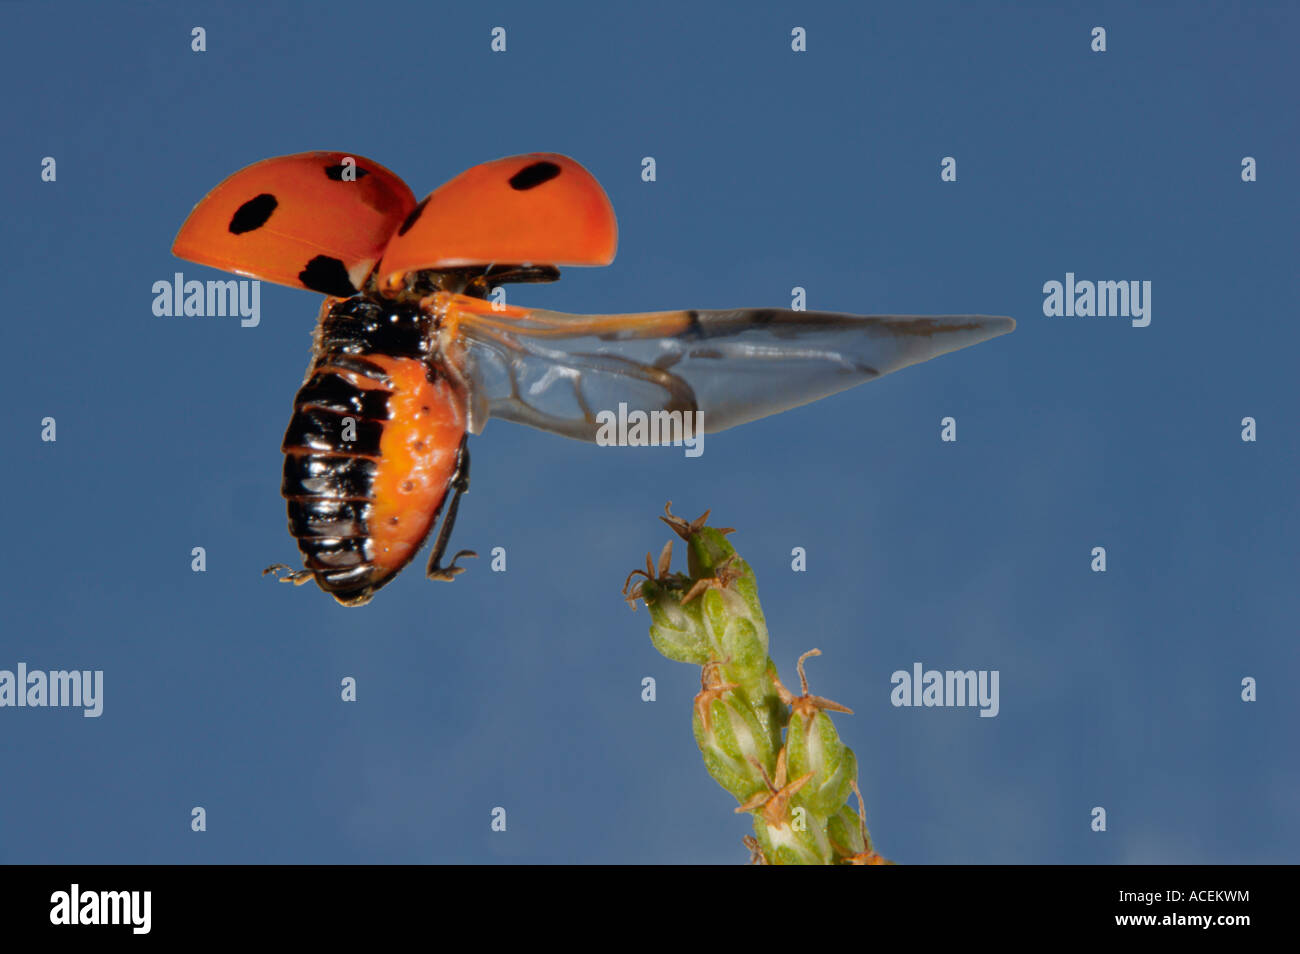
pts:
[556, 372]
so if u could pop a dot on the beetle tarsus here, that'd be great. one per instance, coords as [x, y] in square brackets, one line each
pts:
[448, 573]
[296, 577]
[459, 485]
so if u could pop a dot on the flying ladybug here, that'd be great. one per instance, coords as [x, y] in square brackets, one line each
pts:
[410, 356]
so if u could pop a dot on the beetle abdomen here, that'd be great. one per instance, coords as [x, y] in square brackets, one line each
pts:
[371, 447]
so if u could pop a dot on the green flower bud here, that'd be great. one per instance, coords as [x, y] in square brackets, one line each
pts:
[677, 631]
[786, 846]
[796, 834]
[707, 552]
[741, 645]
[734, 743]
[844, 831]
[815, 748]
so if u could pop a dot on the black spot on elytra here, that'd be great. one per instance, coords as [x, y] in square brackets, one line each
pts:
[253, 213]
[529, 177]
[336, 172]
[414, 216]
[328, 276]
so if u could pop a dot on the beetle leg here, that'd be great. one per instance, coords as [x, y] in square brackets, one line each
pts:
[459, 485]
[480, 285]
[296, 577]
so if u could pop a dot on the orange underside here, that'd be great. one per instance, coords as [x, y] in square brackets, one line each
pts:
[417, 458]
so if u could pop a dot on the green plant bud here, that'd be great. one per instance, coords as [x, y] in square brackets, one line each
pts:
[676, 631]
[844, 832]
[744, 655]
[732, 740]
[771, 711]
[745, 589]
[813, 746]
[708, 549]
[790, 846]
[740, 587]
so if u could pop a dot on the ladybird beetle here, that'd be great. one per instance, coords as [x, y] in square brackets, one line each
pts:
[410, 357]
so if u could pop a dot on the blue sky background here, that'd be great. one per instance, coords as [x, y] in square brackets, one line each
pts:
[775, 169]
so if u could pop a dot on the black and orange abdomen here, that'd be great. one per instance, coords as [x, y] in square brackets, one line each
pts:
[372, 446]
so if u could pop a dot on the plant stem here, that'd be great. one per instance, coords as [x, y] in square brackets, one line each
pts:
[778, 754]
